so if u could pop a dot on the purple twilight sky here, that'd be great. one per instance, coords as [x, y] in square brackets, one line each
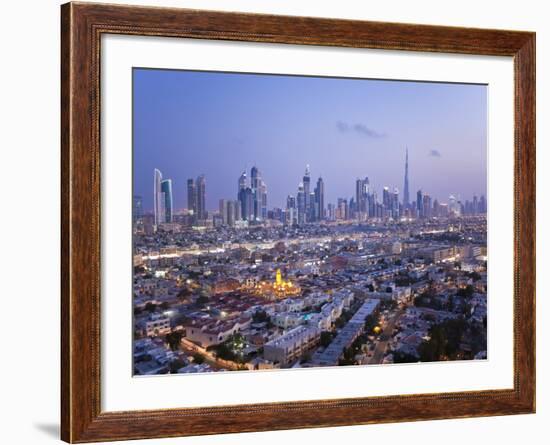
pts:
[188, 123]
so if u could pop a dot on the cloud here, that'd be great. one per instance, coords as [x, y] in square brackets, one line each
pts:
[434, 153]
[361, 129]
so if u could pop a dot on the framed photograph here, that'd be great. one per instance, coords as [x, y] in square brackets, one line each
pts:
[274, 222]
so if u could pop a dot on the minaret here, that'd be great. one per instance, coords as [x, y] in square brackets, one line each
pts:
[406, 201]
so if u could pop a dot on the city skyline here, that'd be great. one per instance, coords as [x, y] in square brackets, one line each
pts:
[443, 171]
[306, 205]
[285, 222]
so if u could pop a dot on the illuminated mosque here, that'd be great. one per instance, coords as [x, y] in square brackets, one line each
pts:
[279, 288]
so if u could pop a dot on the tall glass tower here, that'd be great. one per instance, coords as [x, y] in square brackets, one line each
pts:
[255, 184]
[306, 181]
[320, 200]
[158, 198]
[166, 188]
[201, 198]
[406, 200]
[137, 209]
[192, 196]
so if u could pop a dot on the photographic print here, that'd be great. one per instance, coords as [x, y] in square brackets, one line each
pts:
[284, 222]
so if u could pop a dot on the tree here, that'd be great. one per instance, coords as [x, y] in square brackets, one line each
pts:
[202, 300]
[260, 317]
[370, 323]
[150, 307]
[444, 343]
[198, 358]
[467, 292]
[404, 357]
[326, 338]
[475, 276]
[175, 365]
[174, 339]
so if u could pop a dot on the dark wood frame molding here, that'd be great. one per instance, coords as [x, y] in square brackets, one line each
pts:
[82, 25]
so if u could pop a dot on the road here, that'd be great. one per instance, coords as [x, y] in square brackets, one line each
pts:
[190, 348]
[380, 347]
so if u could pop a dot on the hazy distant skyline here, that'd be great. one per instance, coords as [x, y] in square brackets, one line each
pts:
[188, 123]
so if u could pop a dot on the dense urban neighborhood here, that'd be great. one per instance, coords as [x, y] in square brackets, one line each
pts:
[359, 282]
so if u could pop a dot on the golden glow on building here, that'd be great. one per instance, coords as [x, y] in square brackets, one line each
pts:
[280, 288]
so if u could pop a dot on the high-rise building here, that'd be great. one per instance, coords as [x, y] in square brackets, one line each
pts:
[242, 182]
[426, 206]
[362, 198]
[255, 183]
[436, 210]
[306, 183]
[246, 204]
[482, 204]
[166, 187]
[263, 200]
[454, 208]
[342, 212]
[419, 204]
[158, 198]
[320, 200]
[192, 196]
[311, 215]
[137, 209]
[406, 197]
[291, 211]
[231, 213]
[386, 201]
[475, 205]
[201, 198]
[331, 212]
[223, 210]
[241, 187]
[395, 204]
[301, 204]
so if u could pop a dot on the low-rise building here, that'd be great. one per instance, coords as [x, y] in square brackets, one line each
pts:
[157, 324]
[292, 345]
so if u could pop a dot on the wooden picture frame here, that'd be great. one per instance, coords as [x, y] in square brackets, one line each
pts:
[82, 25]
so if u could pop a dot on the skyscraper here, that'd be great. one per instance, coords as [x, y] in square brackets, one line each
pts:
[166, 187]
[482, 204]
[232, 213]
[223, 210]
[406, 201]
[419, 204]
[386, 201]
[137, 209]
[255, 182]
[395, 204]
[291, 210]
[320, 200]
[242, 182]
[305, 182]
[301, 204]
[201, 198]
[426, 206]
[362, 200]
[263, 200]
[241, 192]
[158, 198]
[343, 209]
[192, 196]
